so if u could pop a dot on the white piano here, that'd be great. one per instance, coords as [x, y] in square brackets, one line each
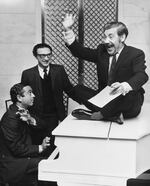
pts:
[98, 153]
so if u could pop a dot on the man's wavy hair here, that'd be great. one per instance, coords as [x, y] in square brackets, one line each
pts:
[121, 28]
[16, 90]
[40, 45]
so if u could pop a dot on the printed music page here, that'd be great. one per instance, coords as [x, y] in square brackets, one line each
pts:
[103, 97]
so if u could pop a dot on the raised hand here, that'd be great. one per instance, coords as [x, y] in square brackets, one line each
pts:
[24, 115]
[68, 21]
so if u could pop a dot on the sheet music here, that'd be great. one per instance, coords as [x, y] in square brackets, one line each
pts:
[103, 97]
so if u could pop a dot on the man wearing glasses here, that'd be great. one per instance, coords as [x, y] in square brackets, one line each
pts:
[48, 82]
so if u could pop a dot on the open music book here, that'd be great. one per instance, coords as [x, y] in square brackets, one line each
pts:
[103, 97]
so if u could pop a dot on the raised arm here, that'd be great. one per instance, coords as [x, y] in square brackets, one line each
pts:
[73, 45]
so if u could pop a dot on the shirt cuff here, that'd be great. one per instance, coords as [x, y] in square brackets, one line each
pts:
[69, 36]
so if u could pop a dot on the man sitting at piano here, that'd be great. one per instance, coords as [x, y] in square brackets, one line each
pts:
[19, 158]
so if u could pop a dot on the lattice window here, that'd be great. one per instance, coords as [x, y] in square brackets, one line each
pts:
[96, 14]
[54, 10]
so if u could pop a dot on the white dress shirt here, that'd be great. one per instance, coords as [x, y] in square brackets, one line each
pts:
[41, 72]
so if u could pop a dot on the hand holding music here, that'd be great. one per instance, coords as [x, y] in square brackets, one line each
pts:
[122, 88]
[115, 88]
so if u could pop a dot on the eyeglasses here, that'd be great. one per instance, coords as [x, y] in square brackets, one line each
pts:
[44, 55]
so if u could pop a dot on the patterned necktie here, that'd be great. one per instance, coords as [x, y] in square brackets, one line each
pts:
[45, 73]
[111, 71]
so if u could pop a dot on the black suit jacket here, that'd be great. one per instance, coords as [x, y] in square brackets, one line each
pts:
[60, 83]
[16, 149]
[130, 65]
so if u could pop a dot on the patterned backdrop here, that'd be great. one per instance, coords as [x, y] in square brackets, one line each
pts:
[96, 14]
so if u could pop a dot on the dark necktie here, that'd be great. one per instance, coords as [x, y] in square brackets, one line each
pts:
[111, 71]
[45, 73]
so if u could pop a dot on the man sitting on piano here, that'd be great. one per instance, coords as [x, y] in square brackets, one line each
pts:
[119, 66]
[19, 158]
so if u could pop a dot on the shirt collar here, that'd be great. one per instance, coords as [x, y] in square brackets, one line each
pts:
[117, 54]
[41, 71]
[21, 108]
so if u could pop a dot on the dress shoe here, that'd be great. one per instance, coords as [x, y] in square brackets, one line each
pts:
[82, 114]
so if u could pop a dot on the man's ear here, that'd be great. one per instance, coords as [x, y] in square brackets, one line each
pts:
[123, 38]
[19, 98]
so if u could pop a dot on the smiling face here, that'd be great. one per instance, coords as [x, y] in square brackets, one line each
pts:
[27, 98]
[43, 57]
[113, 42]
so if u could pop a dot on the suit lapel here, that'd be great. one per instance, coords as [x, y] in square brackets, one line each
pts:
[104, 60]
[122, 57]
[53, 75]
[38, 81]
[106, 64]
[38, 78]
[13, 107]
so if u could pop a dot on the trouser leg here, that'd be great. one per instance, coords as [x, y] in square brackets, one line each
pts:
[129, 105]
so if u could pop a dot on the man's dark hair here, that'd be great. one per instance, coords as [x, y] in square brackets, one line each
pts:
[40, 45]
[121, 27]
[16, 90]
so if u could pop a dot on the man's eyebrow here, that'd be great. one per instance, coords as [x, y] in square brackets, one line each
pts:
[110, 34]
